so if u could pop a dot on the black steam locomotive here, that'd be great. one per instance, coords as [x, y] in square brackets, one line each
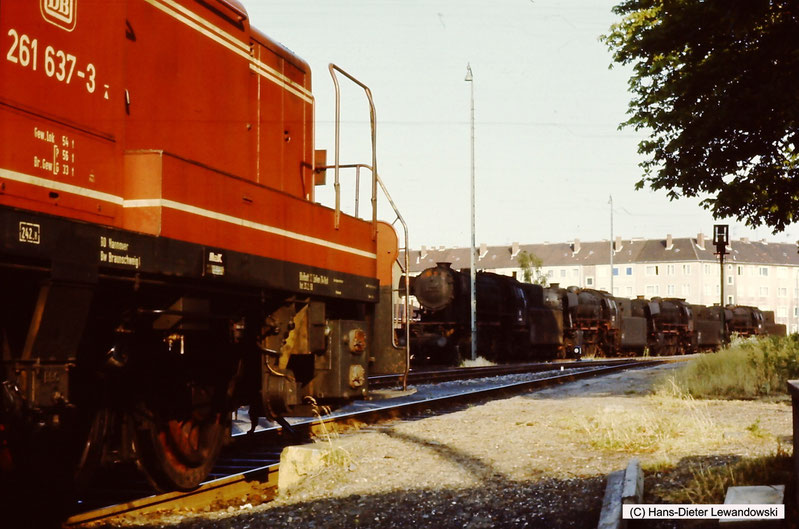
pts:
[521, 321]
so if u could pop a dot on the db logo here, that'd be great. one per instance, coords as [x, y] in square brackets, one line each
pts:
[62, 13]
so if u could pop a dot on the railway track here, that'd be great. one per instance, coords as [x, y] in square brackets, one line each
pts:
[248, 471]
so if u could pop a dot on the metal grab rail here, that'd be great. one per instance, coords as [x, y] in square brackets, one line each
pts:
[375, 182]
[373, 121]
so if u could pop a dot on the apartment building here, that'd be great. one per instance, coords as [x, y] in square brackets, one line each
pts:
[759, 273]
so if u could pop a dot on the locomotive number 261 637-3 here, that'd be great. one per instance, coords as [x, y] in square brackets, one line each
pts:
[58, 64]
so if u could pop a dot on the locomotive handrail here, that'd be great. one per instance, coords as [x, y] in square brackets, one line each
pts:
[406, 277]
[373, 120]
[357, 167]
[375, 181]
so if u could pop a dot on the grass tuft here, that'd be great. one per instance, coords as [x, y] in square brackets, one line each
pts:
[477, 362]
[709, 484]
[334, 454]
[661, 424]
[747, 369]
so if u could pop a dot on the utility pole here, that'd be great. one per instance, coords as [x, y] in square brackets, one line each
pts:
[611, 245]
[473, 307]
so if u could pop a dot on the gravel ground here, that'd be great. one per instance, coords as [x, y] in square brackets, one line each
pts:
[526, 461]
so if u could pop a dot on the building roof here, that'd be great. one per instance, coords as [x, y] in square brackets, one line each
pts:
[578, 253]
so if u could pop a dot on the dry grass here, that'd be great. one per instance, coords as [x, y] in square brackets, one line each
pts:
[477, 362]
[747, 369]
[334, 454]
[662, 424]
[708, 484]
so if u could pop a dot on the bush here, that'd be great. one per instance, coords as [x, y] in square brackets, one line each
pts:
[747, 369]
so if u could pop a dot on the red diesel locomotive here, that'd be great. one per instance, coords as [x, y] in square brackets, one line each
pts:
[162, 258]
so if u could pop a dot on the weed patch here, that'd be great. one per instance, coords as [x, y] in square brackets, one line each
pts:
[747, 369]
[708, 484]
[334, 454]
[660, 424]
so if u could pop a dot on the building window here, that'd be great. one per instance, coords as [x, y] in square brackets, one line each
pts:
[708, 269]
[686, 269]
[782, 292]
[670, 270]
[796, 312]
[782, 272]
[629, 270]
[686, 290]
[763, 271]
[729, 280]
[652, 290]
[782, 312]
[575, 272]
[730, 300]
[740, 270]
[563, 272]
[672, 290]
[651, 270]
[763, 292]
[615, 270]
[589, 281]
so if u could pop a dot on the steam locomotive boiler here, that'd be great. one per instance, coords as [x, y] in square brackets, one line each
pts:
[443, 332]
[671, 327]
[592, 320]
[515, 321]
[162, 257]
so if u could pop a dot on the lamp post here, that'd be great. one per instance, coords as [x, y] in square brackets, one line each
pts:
[473, 307]
[610, 201]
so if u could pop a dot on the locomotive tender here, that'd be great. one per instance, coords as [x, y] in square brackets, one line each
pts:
[162, 257]
[519, 321]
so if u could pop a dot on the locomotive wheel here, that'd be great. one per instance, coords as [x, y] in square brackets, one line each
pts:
[177, 449]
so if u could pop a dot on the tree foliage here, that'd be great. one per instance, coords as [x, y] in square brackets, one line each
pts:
[531, 268]
[715, 84]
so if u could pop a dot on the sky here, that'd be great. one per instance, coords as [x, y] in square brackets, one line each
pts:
[548, 150]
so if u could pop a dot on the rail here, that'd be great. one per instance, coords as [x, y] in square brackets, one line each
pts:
[376, 181]
[264, 478]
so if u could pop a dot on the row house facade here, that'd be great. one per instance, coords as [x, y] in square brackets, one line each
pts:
[759, 273]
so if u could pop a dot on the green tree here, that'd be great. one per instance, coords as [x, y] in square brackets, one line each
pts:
[531, 268]
[714, 82]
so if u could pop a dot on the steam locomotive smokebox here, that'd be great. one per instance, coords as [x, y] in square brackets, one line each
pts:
[435, 287]
[342, 369]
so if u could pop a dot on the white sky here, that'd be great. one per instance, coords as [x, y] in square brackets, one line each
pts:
[547, 107]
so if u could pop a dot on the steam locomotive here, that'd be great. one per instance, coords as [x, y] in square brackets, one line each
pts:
[162, 257]
[520, 321]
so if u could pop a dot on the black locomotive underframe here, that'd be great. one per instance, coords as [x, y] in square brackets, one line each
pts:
[61, 277]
